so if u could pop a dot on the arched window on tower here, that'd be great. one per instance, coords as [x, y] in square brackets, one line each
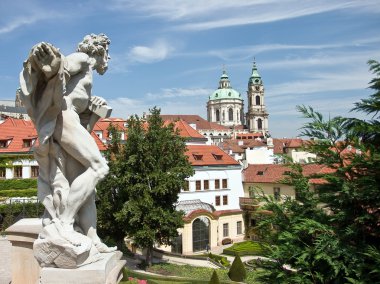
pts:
[257, 100]
[217, 115]
[230, 114]
[260, 124]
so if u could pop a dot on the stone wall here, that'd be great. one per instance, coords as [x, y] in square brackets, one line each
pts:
[5, 260]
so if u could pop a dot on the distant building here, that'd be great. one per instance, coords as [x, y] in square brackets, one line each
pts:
[210, 198]
[225, 105]
[257, 116]
[15, 109]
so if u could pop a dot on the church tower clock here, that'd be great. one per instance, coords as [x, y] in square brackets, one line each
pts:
[257, 116]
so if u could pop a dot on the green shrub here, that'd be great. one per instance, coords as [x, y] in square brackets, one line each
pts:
[237, 271]
[220, 259]
[10, 213]
[26, 183]
[214, 278]
[18, 193]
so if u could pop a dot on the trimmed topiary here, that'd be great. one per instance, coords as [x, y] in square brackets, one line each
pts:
[214, 278]
[237, 271]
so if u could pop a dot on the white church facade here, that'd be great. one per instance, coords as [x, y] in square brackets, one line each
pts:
[226, 105]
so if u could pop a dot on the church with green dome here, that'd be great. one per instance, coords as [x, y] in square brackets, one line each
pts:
[226, 105]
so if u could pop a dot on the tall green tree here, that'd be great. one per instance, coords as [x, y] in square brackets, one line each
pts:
[146, 177]
[332, 235]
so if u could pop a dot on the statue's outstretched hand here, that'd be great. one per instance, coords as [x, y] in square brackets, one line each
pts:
[47, 58]
[98, 101]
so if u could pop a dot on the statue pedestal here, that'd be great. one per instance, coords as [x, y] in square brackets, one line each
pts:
[22, 234]
[26, 270]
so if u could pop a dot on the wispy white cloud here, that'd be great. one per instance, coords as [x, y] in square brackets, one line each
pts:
[159, 51]
[323, 82]
[180, 93]
[203, 15]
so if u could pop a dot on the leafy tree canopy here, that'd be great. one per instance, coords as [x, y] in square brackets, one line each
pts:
[146, 175]
[331, 233]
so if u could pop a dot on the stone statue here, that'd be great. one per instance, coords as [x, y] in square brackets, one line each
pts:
[56, 91]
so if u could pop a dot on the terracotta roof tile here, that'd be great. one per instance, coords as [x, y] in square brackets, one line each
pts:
[200, 122]
[208, 155]
[18, 131]
[185, 130]
[274, 173]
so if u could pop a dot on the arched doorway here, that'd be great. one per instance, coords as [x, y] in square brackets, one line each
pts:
[201, 234]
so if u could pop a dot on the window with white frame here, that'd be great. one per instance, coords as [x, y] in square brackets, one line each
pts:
[239, 228]
[225, 230]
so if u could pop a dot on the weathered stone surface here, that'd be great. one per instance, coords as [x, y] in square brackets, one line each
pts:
[108, 270]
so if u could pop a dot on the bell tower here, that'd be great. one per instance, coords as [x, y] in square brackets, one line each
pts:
[257, 116]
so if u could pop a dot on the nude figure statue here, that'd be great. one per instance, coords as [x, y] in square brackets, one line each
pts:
[56, 91]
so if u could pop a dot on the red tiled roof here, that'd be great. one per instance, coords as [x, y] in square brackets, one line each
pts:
[208, 155]
[17, 130]
[239, 146]
[274, 173]
[103, 124]
[281, 144]
[185, 130]
[200, 122]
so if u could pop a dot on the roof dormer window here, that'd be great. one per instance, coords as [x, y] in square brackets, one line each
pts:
[198, 157]
[4, 143]
[26, 143]
[218, 157]
[260, 173]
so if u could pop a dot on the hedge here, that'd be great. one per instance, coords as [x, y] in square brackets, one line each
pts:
[18, 193]
[26, 183]
[10, 213]
[153, 278]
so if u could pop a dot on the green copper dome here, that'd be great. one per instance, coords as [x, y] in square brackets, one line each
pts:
[225, 91]
[255, 76]
[220, 94]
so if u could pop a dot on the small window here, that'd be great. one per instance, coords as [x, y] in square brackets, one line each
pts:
[3, 143]
[225, 230]
[217, 184]
[276, 193]
[26, 143]
[218, 157]
[224, 183]
[225, 199]
[198, 157]
[34, 171]
[239, 229]
[186, 186]
[260, 173]
[257, 100]
[198, 185]
[205, 184]
[2, 172]
[217, 200]
[17, 171]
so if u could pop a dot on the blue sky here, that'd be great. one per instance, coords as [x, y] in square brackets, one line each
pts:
[171, 54]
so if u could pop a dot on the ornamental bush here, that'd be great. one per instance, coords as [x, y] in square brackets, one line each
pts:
[214, 278]
[237, 271]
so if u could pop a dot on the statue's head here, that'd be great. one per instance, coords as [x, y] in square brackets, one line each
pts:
[96, 46]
